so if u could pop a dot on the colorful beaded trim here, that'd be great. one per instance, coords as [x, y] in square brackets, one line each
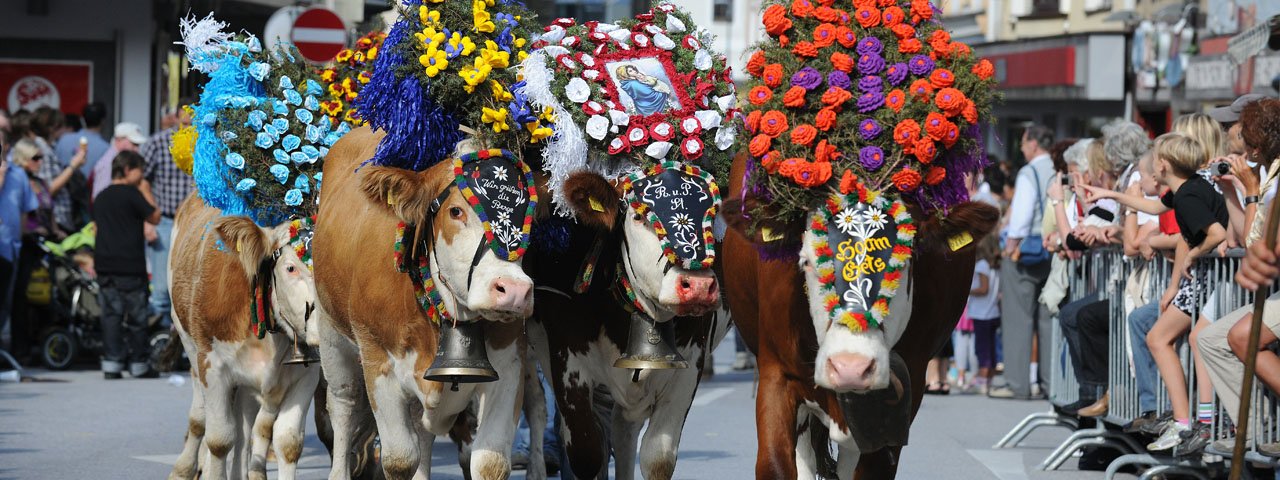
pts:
[708, 236]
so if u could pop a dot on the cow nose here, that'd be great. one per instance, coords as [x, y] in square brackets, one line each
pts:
[697, 289]
[509, 294]
[850, 371]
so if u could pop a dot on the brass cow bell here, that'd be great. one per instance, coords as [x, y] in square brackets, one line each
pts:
[461, 356]
[650, 346]
[303, 354]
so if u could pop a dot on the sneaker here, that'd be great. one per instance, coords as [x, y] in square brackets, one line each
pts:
[1269, 449]
[150, 373]
[1001, 392]
[519, 460]
[1157, 426]
[111, 375]
[1193, 441]
[1223, 447]
[1171, 437]
[743, 361]
[1136, 424]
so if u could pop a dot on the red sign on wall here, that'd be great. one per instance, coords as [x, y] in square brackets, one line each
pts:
[31, 84]
[1038, 68]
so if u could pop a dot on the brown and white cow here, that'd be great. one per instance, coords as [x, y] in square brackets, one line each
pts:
[810, 369]
[579, 335]
[376, 341]
[238, 379]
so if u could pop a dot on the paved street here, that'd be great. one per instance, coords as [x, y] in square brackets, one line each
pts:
[80, 426]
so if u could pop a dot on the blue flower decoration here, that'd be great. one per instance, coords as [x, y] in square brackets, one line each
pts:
[286, 83]
[298, 157]
[290, 142]
[325, 122]
[292, 97]
[209, 119]
[240, 101]
[246, 184]
[342, 129]
[253, 44]
[264, 140]
[293, 197]
[259, 70]
[280, 155]
[301, 183]
[235, 160]
[256, 119]
[311, 152]
[278, 107]
[313, 133]
[281, 173]
[304, 116]
[331, 139]
[324, 152]
[228, 135]
[313, 87]
[280, 124]
[311, 103]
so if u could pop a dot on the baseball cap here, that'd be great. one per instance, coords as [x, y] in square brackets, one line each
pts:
[130, 131]
[1231, 113]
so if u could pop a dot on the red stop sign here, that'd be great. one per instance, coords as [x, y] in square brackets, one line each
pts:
[319, 34]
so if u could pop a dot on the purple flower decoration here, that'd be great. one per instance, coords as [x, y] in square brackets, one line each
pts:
[807, 78]
[921, 65]
[870, 101]
[870, 64]
[870, 46]
[869, 129]
[871, 157]
[839, 79]
[897, 73]
[870, 84]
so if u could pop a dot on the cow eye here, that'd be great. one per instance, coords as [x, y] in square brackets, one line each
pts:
[290, 268]
[455, 212]
[635, 217]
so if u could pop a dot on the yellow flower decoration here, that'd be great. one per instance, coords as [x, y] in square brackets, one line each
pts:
[331, 107]
[351, 117]
[344, 55]
[359, 57]
[335, 90]
[537, 131]
[483, 19]
[465, 43]
[182, 147]
[371, 54]
[494, 55]
[328, 75]
[365, 76]
[428, 16]
[429, 37]
[548, 114]
[435, 61]
[500, 93]
[497, 117]
[476, 74]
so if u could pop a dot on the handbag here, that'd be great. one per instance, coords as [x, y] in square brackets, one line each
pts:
[1032, 248]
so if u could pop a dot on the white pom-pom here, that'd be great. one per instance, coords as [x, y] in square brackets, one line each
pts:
[204, 40]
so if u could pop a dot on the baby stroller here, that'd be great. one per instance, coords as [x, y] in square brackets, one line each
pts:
[64, 282]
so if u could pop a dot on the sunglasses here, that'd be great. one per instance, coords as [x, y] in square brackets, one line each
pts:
[37, 158]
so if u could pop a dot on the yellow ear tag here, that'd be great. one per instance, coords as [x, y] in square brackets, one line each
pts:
[766, 234]
[960, 240]
[595, 204]
[391, 199]
[237, 245]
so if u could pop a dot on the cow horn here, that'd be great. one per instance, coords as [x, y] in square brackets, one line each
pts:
[649, 346]
[460, 356]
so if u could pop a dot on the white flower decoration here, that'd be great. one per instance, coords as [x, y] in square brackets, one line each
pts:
[553, 35]
[663, 42]
[597, 127]
[591, 74]
[845, 220]
[658, 150]
[621, 36]
[577, 90]
[653, 29]
[587, 60]
[726, 102]
[674, 25]
[874, 218]
[619, 117]
[500, 173]
[708, 118]
[683, 222]
[554, 51]
[701, 59]
[725, 137]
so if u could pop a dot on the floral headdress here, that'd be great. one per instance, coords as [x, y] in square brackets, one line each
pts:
[446, 66]
[260, 134]
[632, 94]
[353, 67]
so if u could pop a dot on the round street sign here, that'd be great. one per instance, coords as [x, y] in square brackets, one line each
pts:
[319, 34]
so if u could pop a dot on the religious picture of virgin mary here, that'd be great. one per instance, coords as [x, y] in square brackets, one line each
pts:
[643, 86]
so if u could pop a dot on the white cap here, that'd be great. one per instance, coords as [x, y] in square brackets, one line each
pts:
[130, 131]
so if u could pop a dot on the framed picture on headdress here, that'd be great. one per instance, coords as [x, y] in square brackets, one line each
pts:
[644, 83]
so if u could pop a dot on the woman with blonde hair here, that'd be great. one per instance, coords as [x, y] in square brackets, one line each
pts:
[1204, 129]
[17, 186]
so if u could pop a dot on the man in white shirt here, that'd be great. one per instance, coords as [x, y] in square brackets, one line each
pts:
[1022, 315]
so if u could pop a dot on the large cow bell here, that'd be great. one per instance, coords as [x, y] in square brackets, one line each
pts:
[650, 345]
[303, 354]
[460, 355]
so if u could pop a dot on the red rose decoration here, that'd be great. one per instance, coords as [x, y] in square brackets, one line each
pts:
[690, 126]
[951, 136]
[942, 78]
[691, 148]
[935, 125]
[775, 20]
[921, 89]
[925, 150]
[691, 43]
[906, 180]
[637, 135]
[592, 108]
[794, 97]
[935, 176]
[662, 131]
[563, 22]
[950, 100]
[906, 132]
[824, 35]
[893, 16]
[619, 145]
[846, 37]
[801, 8]
[896, 100]
[803, 135]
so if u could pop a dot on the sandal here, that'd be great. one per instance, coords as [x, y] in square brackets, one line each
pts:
[937, 388]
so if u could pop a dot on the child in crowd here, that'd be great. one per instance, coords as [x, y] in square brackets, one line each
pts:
[984, 310]
[1202, 218]
[120, 257]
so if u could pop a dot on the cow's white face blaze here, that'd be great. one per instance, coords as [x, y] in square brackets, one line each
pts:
[493, 288]
[665, 289]
[294, 294]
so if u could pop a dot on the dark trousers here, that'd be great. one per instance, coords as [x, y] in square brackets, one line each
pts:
[1094, 323]
[6, 298]
[24, 328]
[124, 322]
[984, 341]
[1076, 336]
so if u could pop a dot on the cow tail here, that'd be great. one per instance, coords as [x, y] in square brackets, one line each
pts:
[820, 440]
[365, 466]
[172, 352]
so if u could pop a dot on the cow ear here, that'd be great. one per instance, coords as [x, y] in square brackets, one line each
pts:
[977, 219]
[594, 200]
[407, 194]
[246, 240]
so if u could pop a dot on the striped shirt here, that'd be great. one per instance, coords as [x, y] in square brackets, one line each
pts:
[169, 184]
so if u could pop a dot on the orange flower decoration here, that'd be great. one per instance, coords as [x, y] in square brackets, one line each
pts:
[887, 3]
[825, 119]
[755, 65]
[921, 89]
[772, 75]
[867, 17]
[951, 136]
[753, 121]
[801, 8]
[983, 69]
[824, 35]
[805, 49]
[940, 36]
[835, 97]
[775, 20]
[804, 135]
[794, 97]
[910, 46]
[906, 132]
[791, 166]
[942, 78]
[906, 180]
[935, 176]
[759, 145]
[970, 112]
[925, 150]
[842, 62]
[828, 14]
[960, 50]
[865, 3]
[824, 152]
[935, 125]
[950, 100]
[810, 174]
[921, 10]
[770, 161]
[903, 31]
[773, 123]
[759, 95]
[783, 41]
[893, 16]
[896, 100]
[846, 37]
[848, 182]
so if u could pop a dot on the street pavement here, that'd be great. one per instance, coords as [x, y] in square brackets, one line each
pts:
[77, 425]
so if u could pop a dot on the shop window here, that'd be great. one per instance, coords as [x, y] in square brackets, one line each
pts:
[582, 11]
[723, 11]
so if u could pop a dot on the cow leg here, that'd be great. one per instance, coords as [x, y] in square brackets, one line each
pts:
[427, 440]
[666, 424]
[491, 452]
[263, 424]
[535, 413]
[345, 395]
[185, 467]
[806, 458]
[625, 435]
[775, 425]
[247, 408]
[221, 424]
[396, 426]
[879, 464]
[846, 461]
[290, 424]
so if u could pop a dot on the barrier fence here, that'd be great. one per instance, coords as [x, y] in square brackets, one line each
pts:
[1127, 283]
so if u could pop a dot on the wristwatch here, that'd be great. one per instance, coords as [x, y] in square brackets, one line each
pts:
[1053, 202]
[1251, 199]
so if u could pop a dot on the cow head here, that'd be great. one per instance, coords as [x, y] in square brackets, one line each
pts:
[280, 252]
[665, 215]
[474, 215]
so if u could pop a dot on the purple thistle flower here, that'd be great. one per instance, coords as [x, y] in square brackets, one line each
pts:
[871, 157]
[870, 84]
[870, 101]
[870, 46]
[870, 64]
[807, 78]
[869, 129]
[897, 73]
[839, 79]
[921, 65]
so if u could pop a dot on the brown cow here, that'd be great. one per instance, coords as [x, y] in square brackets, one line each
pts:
[800, 394]
[376, 341]
[238, 379]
